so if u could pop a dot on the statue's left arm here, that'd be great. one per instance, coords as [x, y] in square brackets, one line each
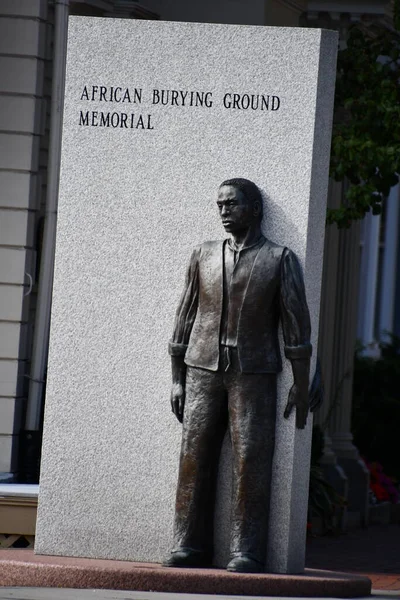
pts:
[296, 333]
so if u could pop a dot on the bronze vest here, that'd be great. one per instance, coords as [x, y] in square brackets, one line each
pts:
[257, 339]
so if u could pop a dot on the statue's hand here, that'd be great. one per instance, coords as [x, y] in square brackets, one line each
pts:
[178, 400]
[298, 397]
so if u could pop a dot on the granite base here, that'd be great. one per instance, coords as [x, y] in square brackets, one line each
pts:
[24, 568]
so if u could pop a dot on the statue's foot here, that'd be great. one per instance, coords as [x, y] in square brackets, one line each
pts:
[243, 563]
[187, 557]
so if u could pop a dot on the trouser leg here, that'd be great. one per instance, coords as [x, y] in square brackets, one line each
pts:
[252, 415]
[204, 424]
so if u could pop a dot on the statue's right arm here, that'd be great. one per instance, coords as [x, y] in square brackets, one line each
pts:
[184, 319]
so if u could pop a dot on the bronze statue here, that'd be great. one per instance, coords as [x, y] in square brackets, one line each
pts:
[225, 359]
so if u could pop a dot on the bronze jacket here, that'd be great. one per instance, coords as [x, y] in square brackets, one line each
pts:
[275, 292]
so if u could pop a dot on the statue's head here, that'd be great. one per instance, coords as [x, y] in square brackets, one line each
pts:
[240, 204]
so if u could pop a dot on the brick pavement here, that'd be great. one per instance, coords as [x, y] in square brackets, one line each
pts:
[374, 551]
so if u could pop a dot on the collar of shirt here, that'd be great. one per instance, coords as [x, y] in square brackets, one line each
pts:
[231, 244]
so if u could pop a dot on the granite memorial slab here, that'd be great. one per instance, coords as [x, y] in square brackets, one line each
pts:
[157, 115]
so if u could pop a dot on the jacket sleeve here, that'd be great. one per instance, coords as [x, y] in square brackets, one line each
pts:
[187, 308]
[295, 316]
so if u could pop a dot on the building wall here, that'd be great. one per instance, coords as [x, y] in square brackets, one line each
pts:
[246, 12]
[280, 13]
[23, 54]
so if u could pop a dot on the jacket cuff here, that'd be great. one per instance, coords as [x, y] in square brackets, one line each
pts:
[301, 351]
[177, 349]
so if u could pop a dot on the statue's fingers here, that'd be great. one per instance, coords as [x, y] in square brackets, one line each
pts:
[301, 417]
[288, 409]
[181, 407]
[175, 406]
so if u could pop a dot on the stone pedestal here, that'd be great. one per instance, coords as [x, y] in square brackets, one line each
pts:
[358, 475]
[22, 568]
[333, 472]
[138, 188]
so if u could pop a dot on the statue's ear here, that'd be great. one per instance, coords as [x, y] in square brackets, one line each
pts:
[257, 208]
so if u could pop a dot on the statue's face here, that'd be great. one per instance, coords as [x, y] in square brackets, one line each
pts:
[235, 210]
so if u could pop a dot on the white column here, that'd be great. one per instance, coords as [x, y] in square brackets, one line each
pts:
[326, 343]
[345, 338]
[390, 267]
[368, 283]
[344, 342]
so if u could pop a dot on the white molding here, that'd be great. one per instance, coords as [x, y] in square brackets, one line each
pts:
[21, 490]
[100, 4]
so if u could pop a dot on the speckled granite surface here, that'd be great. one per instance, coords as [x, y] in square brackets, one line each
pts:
[136, 194]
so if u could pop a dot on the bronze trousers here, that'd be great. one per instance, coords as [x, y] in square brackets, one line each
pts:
[247, 401]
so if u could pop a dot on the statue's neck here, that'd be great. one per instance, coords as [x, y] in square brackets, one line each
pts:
[246, 237]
